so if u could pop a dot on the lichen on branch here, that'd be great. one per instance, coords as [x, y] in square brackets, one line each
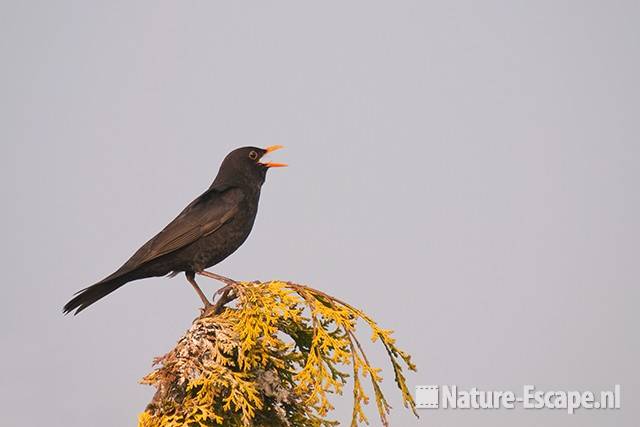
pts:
[272, 358]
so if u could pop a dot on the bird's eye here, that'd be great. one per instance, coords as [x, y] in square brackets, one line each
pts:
[253, 155]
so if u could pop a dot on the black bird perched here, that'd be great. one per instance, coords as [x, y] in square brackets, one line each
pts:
[207, 231]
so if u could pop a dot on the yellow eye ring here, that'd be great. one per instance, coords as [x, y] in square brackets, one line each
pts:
[253, 155]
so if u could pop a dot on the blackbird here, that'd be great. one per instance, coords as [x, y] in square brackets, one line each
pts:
[207, 231]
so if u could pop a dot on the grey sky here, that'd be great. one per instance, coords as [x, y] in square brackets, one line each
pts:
[465, 172]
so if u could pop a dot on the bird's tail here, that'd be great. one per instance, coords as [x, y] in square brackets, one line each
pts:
[93, 293]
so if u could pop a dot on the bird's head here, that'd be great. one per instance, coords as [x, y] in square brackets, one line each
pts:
[244, 166]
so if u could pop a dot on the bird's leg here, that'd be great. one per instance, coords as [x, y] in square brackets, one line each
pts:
[226, 293]
[223, 279]
[191, 277]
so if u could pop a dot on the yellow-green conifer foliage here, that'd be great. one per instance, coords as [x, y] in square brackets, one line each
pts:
[272, 358]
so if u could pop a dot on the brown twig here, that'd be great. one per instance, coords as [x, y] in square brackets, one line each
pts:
[227, 296]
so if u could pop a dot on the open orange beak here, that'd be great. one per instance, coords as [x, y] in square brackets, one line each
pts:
[268, 150]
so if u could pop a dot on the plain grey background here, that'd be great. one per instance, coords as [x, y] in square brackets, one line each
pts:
[466, 172]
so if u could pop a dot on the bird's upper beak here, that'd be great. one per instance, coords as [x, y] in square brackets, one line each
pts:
[268, 150]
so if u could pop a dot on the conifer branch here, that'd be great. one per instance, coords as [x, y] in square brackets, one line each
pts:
[272, 358]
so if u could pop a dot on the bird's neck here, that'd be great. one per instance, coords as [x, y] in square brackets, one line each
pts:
[223, 185]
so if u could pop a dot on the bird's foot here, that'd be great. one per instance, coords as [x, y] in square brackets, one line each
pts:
[227, 295]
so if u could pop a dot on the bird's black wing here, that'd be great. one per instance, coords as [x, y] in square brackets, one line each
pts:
[202, 217]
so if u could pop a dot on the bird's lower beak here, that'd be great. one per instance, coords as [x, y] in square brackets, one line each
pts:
[268, 150]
